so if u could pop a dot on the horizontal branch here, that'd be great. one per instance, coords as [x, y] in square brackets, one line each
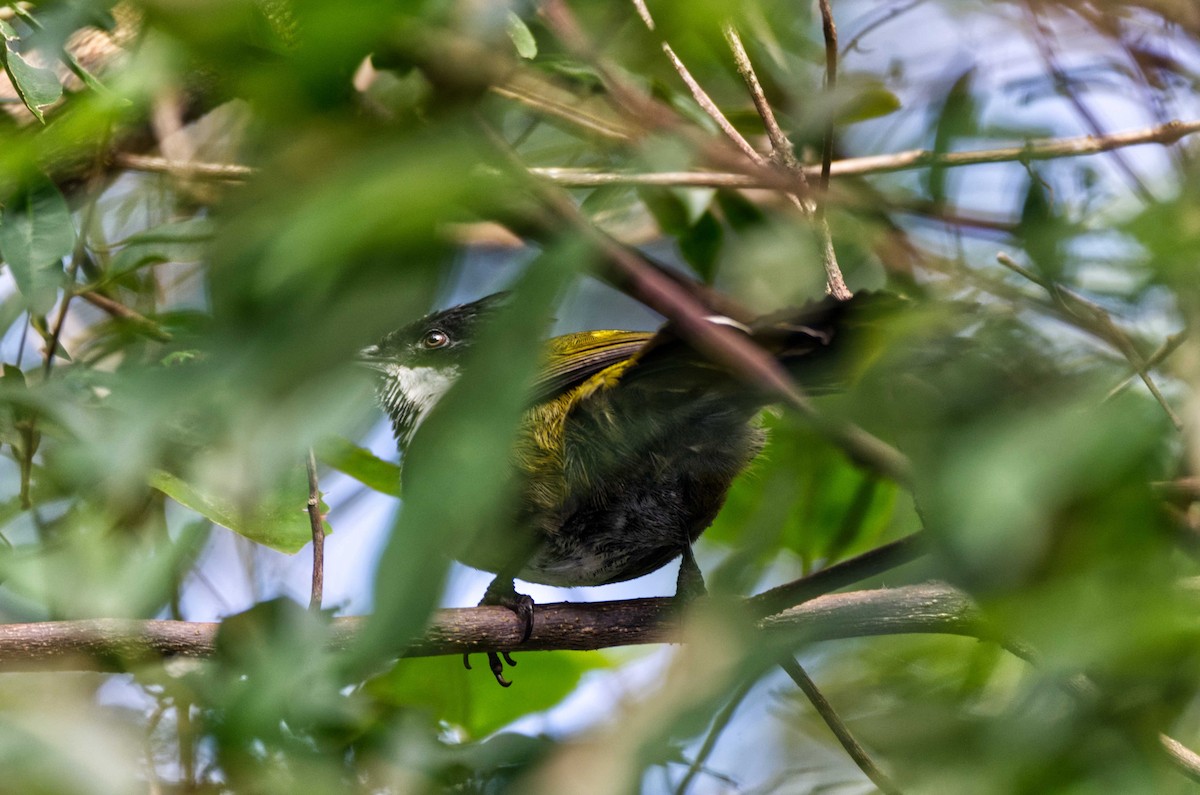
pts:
[110, 643]
[931, 608]
[1040, 149]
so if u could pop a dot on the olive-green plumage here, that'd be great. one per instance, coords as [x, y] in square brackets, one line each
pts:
[629, 446]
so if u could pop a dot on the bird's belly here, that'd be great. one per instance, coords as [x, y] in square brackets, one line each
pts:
[628, 517]
[617, 537]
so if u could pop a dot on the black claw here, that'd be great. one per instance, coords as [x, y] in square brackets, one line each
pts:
[467, 661]
[523, 607]
[501, 593]
[498, 667]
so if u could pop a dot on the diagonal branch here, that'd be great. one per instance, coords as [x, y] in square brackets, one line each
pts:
[783, 153]
[839, 728]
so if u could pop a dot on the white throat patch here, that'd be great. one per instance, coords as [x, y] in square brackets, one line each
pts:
[420, 387]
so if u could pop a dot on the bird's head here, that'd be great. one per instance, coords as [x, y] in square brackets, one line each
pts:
[419, 363]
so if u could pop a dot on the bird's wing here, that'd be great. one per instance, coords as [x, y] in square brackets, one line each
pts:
[574, 358]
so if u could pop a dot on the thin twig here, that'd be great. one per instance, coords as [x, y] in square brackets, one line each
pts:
[829, 30]
[117, 309]
[1095, 320]
[719, 722]
[1169, 346]
[318, 534]
[783, 154]
[579, 117]
[710, 108]
[781, 147]
[835, 723]
[229, 172]
[1036, 149]
[836, 283]
[1062, 84]
[855, 569]
[870, 27]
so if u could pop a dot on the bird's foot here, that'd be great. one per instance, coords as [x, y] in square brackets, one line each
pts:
[502, 594]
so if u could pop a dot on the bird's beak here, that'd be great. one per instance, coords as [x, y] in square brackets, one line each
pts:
[372, 357]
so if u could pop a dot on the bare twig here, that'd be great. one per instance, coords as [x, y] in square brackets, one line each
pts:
[1169, 346]
[719, 722]
[839, 728]
[318, 534]
[226, 172]
[783, 154]
[1062, 84]
[518, 91]
[781, 147]
[848, 572]
[710, 108]
[117, 309]
[829, 30]
[1095, 320]
[872, 26]
[1038, 149]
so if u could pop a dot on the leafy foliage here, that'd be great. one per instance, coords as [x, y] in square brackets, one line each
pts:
[207, 208]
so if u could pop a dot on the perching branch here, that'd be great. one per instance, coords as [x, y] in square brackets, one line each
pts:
[932, 608]
[112, 644]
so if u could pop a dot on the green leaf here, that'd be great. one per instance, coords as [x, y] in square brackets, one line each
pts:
[669, 210]
[701, 245]
[360, 464]
[870, 103]
[522, 37]
[35, 234]
[36, 86]
[177, 241]
[471, 700]
[278, 520]
[957, 119]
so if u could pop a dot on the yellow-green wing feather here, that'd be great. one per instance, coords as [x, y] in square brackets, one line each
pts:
[574, 358]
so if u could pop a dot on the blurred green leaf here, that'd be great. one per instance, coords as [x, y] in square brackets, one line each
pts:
[37, 86]
[36, 232]
[471, 699]
[521, 36]
[277, 519]
[1041, 230]
[701, 245]
[360, 464]
[957, 119]
[872, 102]
[175, 241]
[668, 209]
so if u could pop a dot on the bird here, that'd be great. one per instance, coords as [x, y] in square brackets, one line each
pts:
[627, 448]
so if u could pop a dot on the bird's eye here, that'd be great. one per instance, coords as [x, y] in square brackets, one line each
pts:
[435, 338]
